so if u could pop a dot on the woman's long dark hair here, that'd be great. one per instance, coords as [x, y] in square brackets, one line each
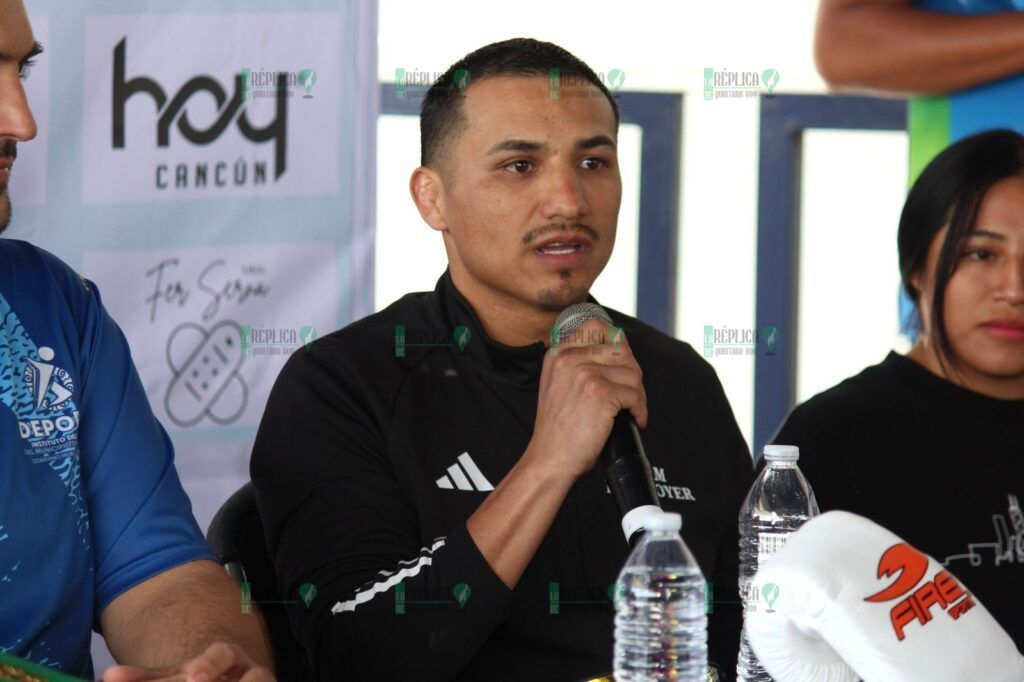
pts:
[950, 190]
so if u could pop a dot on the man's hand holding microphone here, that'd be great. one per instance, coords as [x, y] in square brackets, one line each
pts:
[591, 391]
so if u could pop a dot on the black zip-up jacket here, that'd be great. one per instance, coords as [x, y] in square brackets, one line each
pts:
[372, 454]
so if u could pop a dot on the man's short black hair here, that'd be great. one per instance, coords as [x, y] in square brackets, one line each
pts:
[441, 115]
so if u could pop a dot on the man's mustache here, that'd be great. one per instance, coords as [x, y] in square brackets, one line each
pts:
[555, 228]
[8, 148]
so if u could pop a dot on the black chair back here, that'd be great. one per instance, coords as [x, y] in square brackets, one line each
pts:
[236, 538]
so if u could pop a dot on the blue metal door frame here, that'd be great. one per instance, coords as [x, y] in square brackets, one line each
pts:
[784, 118]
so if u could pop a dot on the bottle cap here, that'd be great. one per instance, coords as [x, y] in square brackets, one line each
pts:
[662, 521]
[781, 453]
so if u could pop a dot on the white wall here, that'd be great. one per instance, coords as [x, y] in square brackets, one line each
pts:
[849, 269]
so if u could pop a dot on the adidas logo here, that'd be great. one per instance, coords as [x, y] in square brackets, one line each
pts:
[475, 480]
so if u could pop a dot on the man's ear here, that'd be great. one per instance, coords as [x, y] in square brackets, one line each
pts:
[427, 190]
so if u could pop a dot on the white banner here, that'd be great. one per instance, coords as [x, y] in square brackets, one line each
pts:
[212, 326]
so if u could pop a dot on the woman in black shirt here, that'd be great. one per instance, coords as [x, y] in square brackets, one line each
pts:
[931, 444]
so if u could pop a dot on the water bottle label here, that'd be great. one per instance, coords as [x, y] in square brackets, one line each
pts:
[768, 544]
[753, 593]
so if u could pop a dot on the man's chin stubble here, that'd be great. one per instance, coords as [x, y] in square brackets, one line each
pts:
[557, 299]
[5, 209]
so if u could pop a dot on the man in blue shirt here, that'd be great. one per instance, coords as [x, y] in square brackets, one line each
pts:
[96, 531]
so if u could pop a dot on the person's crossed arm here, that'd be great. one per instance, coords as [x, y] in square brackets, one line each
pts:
[891, 46]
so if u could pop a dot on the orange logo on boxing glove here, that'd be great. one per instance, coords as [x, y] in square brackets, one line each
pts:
[912, 565]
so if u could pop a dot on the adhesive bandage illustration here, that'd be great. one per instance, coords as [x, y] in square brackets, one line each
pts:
[206, 380]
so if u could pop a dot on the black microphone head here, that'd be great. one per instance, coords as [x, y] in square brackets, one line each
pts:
[572, 317]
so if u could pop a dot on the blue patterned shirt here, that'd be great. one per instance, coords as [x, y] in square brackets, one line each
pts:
[90, 502]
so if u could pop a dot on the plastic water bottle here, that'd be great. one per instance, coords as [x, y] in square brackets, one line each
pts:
[661, 625]
[779, 502]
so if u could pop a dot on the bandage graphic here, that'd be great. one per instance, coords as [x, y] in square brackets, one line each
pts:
[206, 380]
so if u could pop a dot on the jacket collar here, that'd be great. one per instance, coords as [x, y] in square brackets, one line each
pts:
[519, 365]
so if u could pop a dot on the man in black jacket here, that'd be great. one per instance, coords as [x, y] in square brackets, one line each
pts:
[430, 468]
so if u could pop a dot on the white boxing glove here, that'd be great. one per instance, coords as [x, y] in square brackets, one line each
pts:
[850, 599]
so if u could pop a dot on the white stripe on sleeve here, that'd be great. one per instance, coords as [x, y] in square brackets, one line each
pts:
[366, 594]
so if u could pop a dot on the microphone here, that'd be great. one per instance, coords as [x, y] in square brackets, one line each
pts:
[626, 469]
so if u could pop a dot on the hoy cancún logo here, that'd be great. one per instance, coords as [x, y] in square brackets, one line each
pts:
[173, 110]
[234, 114]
